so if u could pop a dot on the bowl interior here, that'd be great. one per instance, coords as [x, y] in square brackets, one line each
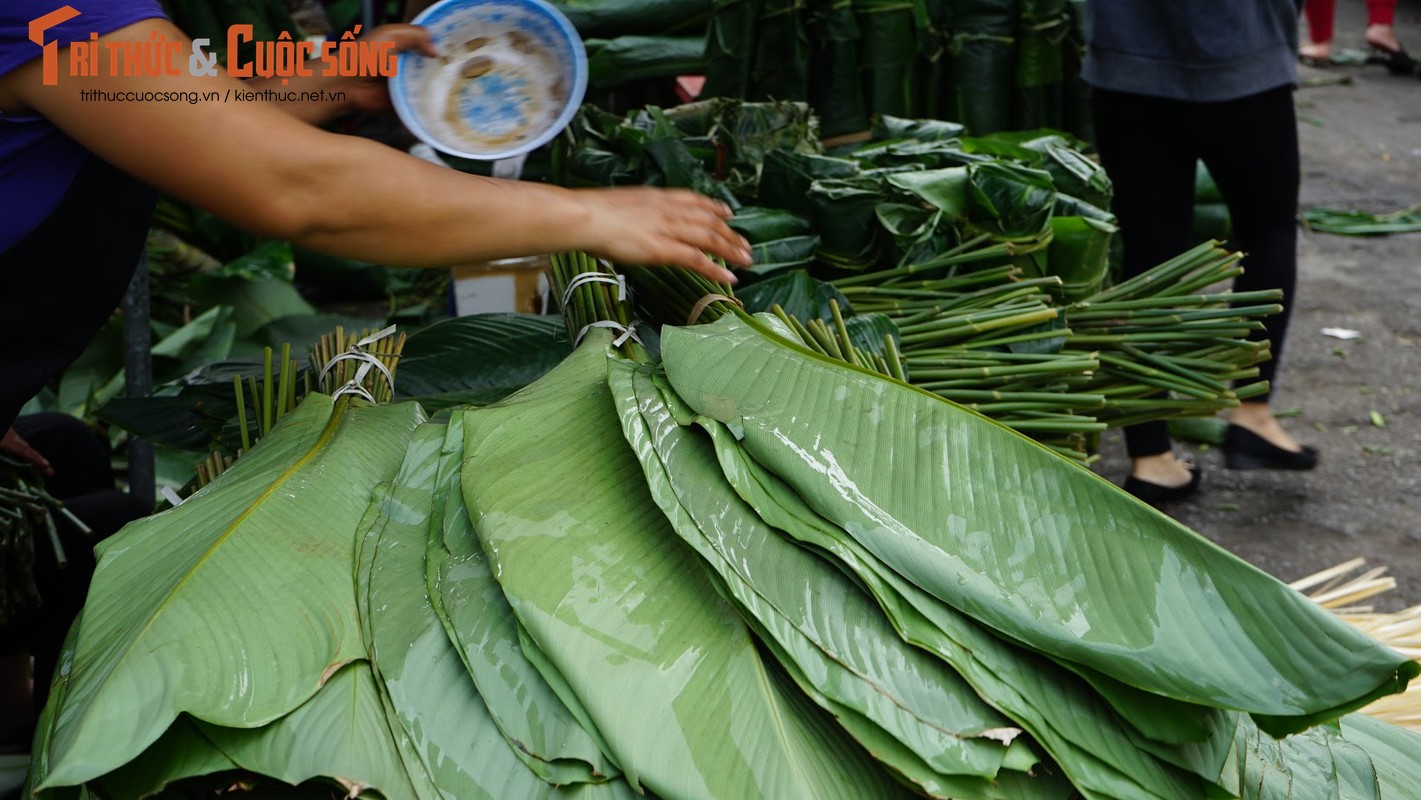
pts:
[510, 76]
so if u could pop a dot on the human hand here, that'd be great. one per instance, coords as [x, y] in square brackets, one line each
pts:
[13, 445]
[673, 227]
[372, 93]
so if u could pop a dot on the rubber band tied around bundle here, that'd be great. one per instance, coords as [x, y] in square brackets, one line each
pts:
[625, 332]
[368, 361]
[582, 278]
[703, 303]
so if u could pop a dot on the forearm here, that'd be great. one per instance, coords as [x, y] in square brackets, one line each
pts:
[398, 210]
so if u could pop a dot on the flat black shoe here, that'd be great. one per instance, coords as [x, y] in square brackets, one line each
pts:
[1397, 62]
[1156, 494]
[1244, 449]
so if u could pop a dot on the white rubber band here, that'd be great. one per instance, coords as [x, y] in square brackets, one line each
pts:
[595, 277]
[626, 332]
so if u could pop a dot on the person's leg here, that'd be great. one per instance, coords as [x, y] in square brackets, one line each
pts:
[1320, 15]
[1150, 158]
[1381, 30]
[1256, 167]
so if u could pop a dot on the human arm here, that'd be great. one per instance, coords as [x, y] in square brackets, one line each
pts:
[278, 176]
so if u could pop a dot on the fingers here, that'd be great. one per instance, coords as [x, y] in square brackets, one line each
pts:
[407, 37]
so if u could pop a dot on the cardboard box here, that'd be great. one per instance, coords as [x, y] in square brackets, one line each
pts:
[505, 286]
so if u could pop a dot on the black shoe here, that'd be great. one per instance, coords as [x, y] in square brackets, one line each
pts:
[1397, 62]
[1244, 449]
[1155, 494]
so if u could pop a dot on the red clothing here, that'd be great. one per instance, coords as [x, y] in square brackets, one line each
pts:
[1321, 12]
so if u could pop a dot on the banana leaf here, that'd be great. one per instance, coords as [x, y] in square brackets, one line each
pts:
[481, 351]
[983, 79]
[837, 92]
[1361, 223]
[760, 225]
[256, 302]
[914, 713]
[1074, 174]
[781, 67]
[1040, 66]
[665, 668]
[614, 62]
[782, 255]
[1079, 254]
[480, 624]
[845, 214]
[182, 752]
[423, 676]
[339, 734]
[1012, 203]
[1090, 743]
[1202, 626]
[801, 296]
[887, 127]
[178, 609]
[730, 47]
[787, 176]
[1395, 752]
[609, 18]
[888, 51]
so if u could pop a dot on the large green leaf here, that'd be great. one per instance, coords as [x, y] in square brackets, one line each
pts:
[481, 625]
[1395, 753]
[1099, 753]
[256, 303]
[340, 734]
[888, 695]
[181, 752]
[664, 667]
[430, 694]
[1044, 552]
[179, 615]
[481, 351]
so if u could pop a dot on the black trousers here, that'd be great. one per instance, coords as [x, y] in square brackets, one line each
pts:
[60, 284]
[1149, 146]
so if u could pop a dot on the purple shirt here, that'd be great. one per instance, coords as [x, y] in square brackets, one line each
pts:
[37, 160]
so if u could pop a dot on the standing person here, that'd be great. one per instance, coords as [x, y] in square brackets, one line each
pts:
[1381, 36]
[1213, 80]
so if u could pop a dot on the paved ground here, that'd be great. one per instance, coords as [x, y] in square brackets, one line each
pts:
[1361, 148]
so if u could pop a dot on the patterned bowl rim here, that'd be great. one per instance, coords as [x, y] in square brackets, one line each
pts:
[399, 90]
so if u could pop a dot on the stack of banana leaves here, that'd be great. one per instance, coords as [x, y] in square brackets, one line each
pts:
[746, 570]
[984, 260]
[995, 65]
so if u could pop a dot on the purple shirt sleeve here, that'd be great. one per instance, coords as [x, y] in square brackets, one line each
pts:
[95, 16]
[37, 160]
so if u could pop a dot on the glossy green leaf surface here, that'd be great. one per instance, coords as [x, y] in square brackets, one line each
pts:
[430, 694]
[180, 609]
[1074, 725]
[613, 598]
[482, 628]
[481, 351]
[828, 631]
[1046, 553]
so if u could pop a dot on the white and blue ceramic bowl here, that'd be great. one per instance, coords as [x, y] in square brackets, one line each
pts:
[510, 76]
